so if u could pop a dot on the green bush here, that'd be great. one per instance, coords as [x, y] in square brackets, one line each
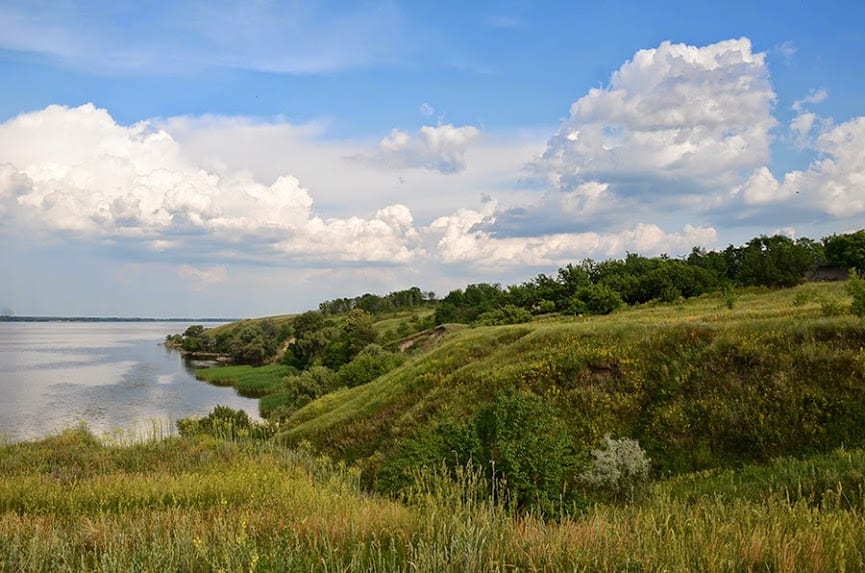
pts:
[831, 306]
[372, 362]
[528, 449]
[225, 423]
[730, 296]
[856, 289]
[595, 299]
[298, 391]
[508, 314]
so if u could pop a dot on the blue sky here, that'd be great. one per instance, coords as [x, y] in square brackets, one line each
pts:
[253, 158]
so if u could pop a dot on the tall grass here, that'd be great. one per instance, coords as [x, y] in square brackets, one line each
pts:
[71, 503]
[248, 381]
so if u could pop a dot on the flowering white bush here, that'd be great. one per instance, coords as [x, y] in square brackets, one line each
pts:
[618, 467]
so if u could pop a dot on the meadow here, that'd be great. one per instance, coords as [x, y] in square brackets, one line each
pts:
[72, 503]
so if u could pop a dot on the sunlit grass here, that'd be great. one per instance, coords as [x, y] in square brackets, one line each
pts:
[69, 503]
[636, 370]
[249, 381]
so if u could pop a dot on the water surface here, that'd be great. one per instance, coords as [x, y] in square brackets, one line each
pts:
[116, 377]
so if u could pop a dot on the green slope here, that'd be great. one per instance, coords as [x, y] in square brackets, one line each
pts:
[698, 384]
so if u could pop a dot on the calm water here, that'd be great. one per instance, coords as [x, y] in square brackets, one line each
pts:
[115, 377]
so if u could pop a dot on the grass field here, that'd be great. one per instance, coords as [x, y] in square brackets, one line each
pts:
[252, 382]
[69, 503]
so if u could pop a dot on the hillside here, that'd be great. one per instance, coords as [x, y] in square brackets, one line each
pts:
[699, 385]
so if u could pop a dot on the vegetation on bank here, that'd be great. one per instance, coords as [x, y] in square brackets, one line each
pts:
[697, 384]
[340, 328]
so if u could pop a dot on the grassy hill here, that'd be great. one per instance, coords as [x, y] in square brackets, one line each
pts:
[698, 384]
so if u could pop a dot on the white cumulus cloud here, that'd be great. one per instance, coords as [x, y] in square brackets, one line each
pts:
[461, 238]
[700, 115]
[834, 183]
[76, 170]
[439, 148]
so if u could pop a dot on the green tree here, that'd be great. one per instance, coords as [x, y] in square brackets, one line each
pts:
[846, 250]
[856, 289]
[372, 362]
[595, 299]
[358, 332]
[528, 448]
[776, 261]
[312, 335]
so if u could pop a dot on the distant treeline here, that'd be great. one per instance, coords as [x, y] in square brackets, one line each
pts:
[600, 287]
[341, 328]
[374, 304]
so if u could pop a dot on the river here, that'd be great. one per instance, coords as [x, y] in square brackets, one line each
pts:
[116, 377]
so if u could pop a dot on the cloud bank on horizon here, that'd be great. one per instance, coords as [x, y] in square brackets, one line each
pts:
[673, 151]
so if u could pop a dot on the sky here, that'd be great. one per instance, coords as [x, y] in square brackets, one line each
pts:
[252, 158]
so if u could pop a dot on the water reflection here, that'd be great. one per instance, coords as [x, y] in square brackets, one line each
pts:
[111, 376]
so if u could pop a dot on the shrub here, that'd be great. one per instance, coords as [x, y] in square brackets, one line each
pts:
[618, 468]
[730, 297]
[856, 289]
[595, 299]
[801, 298]
[544, 307]
[225, 423]
[298, 391]
[528, 449]
[372, 362]
[831, 307]
[508, 314]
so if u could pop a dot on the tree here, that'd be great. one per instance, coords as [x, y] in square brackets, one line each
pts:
[776, 261]
[846, 250]
[358, 332]
[312, 335]
[573, 278]
[595, 299]
[372, 362]
[856, 289]
[528, 447]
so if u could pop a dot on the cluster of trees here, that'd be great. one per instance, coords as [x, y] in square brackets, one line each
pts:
[319, 340]
[407, 299]
[252, 342]
[600, 287]
[846, 250]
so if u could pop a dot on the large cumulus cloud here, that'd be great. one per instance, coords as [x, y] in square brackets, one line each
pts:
[463, 238]
[699, 115]
[675, 125]
[75, 170]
